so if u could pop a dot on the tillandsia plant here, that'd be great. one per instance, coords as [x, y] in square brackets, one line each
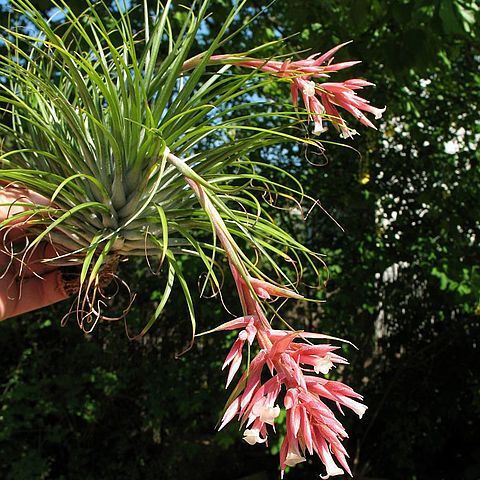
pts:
[127, 136]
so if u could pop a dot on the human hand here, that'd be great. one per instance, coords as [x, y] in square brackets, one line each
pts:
[27, 280]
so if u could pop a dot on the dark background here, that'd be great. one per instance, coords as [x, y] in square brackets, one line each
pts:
[404, 284]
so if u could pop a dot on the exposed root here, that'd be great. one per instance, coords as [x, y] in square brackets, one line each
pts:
[95, 298]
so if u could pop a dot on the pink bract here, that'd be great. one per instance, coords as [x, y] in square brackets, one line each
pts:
[321, 99]
[294, 365]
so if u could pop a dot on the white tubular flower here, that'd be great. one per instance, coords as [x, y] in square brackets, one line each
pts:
[357, 407]
[332, 468]
[308, 88]
[293, 458]
[265, 413]
[253, 436]
[319, 128]
[332, 472]
[378, 112]
[323, 365]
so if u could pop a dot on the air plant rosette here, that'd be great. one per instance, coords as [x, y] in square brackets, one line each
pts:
[127, 136]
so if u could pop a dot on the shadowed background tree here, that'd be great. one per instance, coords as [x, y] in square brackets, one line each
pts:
[404, 282]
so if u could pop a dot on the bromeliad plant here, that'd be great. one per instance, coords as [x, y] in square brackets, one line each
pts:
[129, 136]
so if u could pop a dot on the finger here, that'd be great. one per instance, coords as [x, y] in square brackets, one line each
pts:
[39, 260]
[28, 263]
[21, 296]
[15, 200]
[12, 197]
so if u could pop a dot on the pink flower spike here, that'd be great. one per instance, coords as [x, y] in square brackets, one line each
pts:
[259, 394]
[340, 455]
[251, 332]
[336, 119]
[325, 337]
[350, 108]
[236, 348]
[341, 388]
[316, 110]
[294, 93]
[272, 389]
[281, 345]
[294, 370]
[335, 67]
[342, 95]
[320, 350]
[284, 67]
[237, 361]
[291, 398]
[306, 430]
[355, 83]
[293, 421]
[326, 56]
[311, 424]
[230, 413]
[240, 322]
[327, 459]
[265, 290]
[318, 98]
[251, 389]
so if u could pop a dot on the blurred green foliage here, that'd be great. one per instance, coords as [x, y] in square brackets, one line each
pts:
[403, 284]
